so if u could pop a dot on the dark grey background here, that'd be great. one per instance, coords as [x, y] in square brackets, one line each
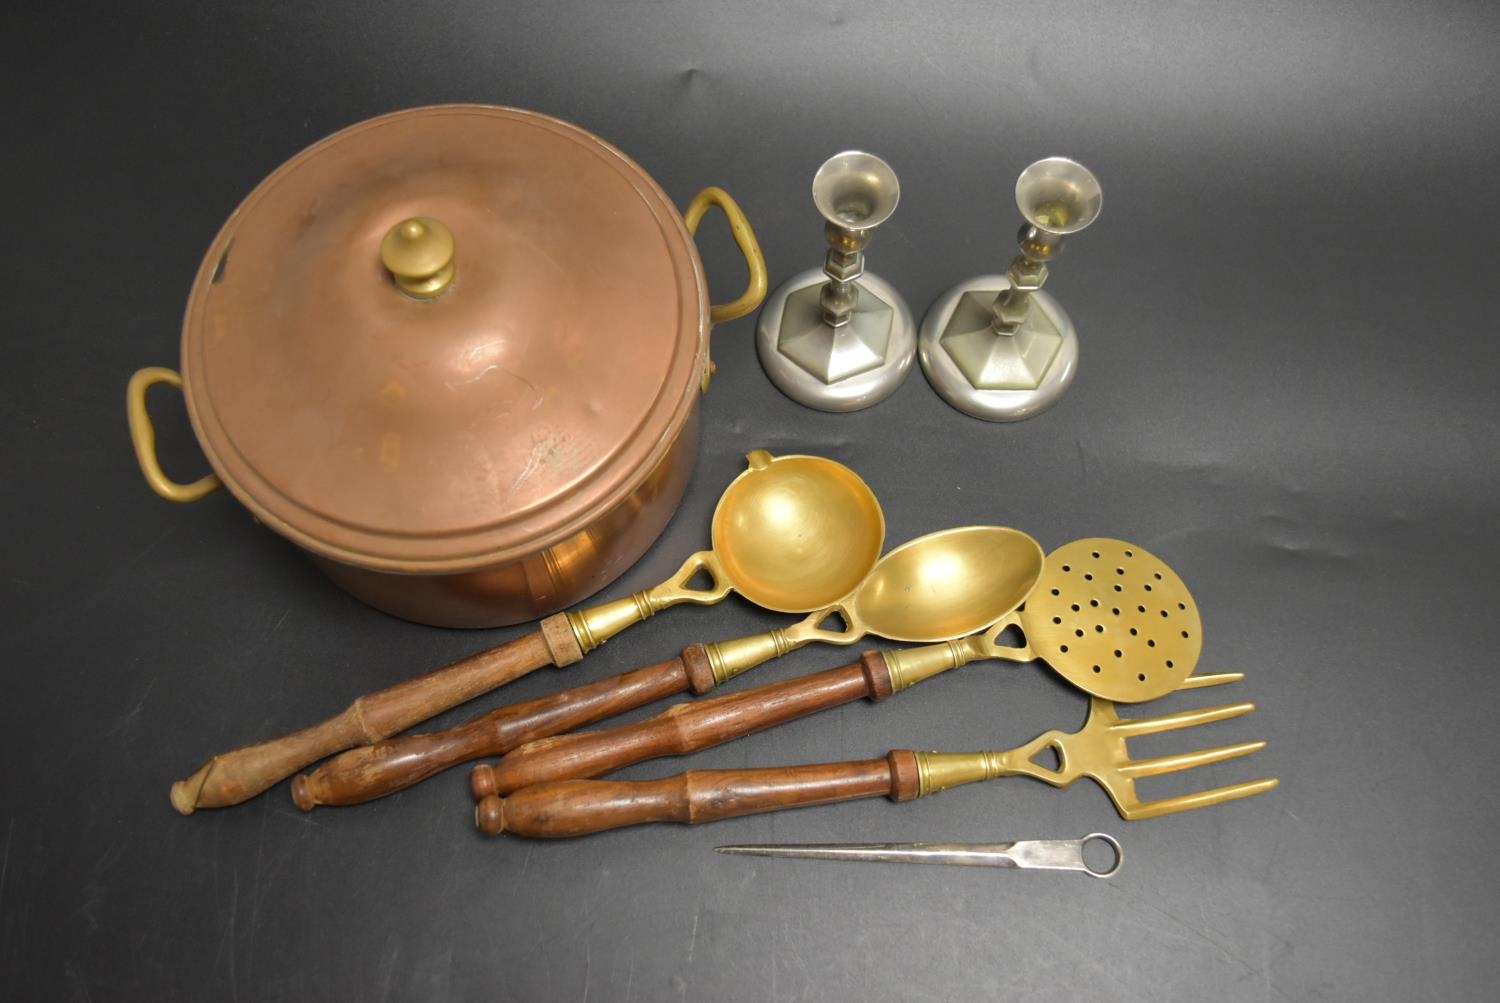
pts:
[1286, 391]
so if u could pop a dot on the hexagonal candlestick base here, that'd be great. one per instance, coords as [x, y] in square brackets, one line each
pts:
[835, 369]
[990, 376]
[998, 361]
[835, 353]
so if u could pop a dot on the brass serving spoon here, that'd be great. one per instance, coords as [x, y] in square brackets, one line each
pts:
[904, 590]
[789, 533]
[1087, 615]
[965, 578]
[935, 588]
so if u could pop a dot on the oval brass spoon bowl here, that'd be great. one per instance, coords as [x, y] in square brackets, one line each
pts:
[937, 587]
[790, 533]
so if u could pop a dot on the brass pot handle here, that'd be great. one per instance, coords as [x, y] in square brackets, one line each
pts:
[143, 438]
[755, 261]
[744, 236]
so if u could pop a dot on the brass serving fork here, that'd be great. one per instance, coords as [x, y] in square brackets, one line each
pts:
[1097, 751]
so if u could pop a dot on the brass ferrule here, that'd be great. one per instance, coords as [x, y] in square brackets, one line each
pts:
[912, 665]
[728, 659]
[938, 771]
[592, 627]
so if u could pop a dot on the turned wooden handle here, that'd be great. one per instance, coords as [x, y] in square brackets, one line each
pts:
[576, 807]
[684, 728]
[373, 771]
[233, 777]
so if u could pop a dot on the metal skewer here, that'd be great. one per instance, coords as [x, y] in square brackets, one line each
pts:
[1026, 854]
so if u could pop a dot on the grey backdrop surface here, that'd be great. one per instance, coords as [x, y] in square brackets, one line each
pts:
[1286, 391]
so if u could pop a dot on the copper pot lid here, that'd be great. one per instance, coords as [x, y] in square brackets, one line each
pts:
[445, 337]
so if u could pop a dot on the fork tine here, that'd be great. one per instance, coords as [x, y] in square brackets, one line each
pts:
[1202, 799]
[1171, 722]
[1187, 760]
[1213, 679]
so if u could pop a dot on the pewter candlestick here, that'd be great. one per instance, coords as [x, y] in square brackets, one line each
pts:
[996, 346]
[841, 339]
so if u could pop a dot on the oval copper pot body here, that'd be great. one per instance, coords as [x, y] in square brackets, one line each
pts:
[455, 353]
[543, 582]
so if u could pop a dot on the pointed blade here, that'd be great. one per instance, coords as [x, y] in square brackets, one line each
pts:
[986, 854]
[1026, 854]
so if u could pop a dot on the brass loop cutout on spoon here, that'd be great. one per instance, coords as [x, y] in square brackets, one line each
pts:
[594, 626]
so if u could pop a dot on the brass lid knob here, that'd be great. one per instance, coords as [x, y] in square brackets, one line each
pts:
[418, 252]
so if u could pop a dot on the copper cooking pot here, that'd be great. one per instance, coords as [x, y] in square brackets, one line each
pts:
[455, 354]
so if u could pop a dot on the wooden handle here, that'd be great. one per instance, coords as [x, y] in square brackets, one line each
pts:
[373, 771]
[576, 807]
[684, 728]
[233, 777]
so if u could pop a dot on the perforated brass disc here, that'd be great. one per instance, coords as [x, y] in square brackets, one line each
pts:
[1114, 621]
